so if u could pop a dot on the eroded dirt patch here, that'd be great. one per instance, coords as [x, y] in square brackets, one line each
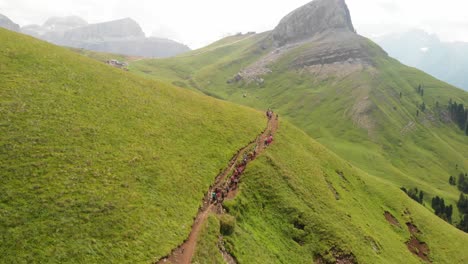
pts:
[339, 257]
[391, 219]
[418, 248]
[412, 228]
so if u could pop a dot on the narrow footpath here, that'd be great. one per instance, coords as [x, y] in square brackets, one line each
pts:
[184, 253]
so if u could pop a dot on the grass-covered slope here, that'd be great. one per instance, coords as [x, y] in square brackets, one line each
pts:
[356, 112]
[299, 201]
[98, 165]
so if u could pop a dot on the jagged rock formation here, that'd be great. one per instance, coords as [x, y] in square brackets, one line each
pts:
[311, 19]
[123, 36]
[5, 22]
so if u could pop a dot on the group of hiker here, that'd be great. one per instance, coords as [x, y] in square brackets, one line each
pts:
[269, 114]
[219, 193]
[268, 140]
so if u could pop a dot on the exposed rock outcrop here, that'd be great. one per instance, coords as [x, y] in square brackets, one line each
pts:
[313, 18]
[5, 22]
[335, 47]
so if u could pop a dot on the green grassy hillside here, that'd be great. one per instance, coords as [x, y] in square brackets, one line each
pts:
[98, 165]
[299, 200]
[357, 113]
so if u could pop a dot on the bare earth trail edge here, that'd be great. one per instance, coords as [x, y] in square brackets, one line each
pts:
[184, 253]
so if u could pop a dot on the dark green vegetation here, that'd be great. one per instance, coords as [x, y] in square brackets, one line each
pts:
[463, 182]
[441, 210]
[452, 180]
[415, 194]
[463, 207]
[98, 165]
[459, 115]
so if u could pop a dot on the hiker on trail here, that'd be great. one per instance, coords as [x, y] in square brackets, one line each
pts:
[236, 182]
[245, 158]
[213, 196]
[240, 169]
[219, 199]
[270, 139]
[250, 156]
[269, 113]
[255, 151]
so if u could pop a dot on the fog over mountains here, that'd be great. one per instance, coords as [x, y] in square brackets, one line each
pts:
[123, 36]
[5, 22]
[447, 61]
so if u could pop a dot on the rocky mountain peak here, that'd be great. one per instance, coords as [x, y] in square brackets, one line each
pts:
[315, 17]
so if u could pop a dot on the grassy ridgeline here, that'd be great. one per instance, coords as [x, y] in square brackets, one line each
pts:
[287, 211]
[97, 165]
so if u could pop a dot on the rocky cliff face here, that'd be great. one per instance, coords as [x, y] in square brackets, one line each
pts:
[5, 22]
[311, 19]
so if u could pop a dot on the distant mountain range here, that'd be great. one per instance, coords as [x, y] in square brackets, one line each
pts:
[5, 22]
[447, 61]
[123, 36]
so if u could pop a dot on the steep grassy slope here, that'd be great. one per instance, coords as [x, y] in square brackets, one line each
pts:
[356, 112]
[299, 200]
[98, 165]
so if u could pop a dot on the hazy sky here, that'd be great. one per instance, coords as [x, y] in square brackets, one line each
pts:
[200, 22]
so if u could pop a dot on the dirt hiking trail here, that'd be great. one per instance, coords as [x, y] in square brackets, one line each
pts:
[184, 253]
